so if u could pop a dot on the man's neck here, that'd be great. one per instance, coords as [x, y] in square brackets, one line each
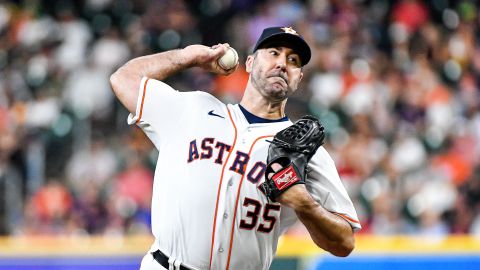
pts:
[253, 119]
[261, 107]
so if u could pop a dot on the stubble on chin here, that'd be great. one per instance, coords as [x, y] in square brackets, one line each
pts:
[273, 85]
[272, 91]
[277, 90]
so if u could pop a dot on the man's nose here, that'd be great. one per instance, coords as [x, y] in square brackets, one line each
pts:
[281, 63]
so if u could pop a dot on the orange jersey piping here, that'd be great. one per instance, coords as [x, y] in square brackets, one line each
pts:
[236, 202]
[219, 188]
[347, 218]
[143, 99]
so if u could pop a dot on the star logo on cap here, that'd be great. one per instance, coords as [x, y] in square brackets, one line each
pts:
[289, 30]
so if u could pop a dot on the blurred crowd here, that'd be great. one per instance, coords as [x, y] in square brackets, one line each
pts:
[396, 84]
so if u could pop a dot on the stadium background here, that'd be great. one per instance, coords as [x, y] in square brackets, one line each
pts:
[396, 83]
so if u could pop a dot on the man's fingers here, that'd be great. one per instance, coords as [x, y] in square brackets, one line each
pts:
[220, 48]
[217, 51]
[275, 167]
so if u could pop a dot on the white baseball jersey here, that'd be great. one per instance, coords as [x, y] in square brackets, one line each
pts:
[207, 209]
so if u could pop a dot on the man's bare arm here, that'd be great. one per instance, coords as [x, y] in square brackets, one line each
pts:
[329, 231]
[126, 80]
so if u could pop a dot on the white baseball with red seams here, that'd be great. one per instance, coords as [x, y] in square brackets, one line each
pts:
[229, 59]
[207, 209]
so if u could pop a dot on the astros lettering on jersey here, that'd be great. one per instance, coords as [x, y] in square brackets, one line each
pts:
[207, 209]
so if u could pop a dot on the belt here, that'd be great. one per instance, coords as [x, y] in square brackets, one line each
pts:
[162, 259]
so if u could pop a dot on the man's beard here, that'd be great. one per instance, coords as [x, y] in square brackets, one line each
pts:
[268, 89]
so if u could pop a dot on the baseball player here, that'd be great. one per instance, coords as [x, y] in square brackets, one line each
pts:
[208, 211]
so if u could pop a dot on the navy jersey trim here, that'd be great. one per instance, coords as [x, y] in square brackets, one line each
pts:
[253, 119]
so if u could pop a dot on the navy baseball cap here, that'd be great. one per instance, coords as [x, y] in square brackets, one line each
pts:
[285, 36]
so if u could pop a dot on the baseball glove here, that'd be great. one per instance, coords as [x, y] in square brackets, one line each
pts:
[291, 148]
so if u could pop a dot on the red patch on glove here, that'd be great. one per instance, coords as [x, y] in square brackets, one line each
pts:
[285, 178]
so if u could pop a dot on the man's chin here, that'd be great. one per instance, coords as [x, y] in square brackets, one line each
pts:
[279, 83]
[279, 87]
[277, 94]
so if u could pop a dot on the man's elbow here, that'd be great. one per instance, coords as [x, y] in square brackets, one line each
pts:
[122, 78]
[339, 248]
[115, 81]
[344, 248]
[121, 84]
[124, 87]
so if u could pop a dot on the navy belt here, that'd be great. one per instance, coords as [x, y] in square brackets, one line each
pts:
[162, 259]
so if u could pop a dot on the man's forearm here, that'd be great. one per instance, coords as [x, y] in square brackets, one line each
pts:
[160, 65]
[126, 80]
[328, 231]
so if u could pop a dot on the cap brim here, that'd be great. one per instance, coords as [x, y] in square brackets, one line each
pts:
[288, 40]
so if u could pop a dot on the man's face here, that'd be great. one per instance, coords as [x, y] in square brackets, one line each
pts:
[275, 72]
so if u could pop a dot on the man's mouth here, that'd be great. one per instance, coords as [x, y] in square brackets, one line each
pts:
[279, 76]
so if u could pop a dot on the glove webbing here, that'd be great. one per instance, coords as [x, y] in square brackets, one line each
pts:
[288, 146]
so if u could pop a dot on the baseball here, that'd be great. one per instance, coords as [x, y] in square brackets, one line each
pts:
[229, 59]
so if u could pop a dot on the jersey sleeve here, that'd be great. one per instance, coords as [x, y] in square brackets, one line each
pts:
[288, 219]
[159, 109]
[325, 186]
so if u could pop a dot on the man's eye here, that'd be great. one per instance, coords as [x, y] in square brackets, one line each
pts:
[273, 52]
[294, 60]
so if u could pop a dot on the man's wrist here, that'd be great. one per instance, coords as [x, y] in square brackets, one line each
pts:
[298, 198]
[185, 57]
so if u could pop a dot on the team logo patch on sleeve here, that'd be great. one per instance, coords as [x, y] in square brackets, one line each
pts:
[285, 177]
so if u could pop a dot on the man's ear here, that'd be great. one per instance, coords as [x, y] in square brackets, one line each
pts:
[249, 63]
